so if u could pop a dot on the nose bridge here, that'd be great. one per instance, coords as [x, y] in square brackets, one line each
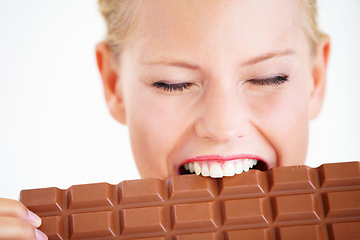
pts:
[222, 118]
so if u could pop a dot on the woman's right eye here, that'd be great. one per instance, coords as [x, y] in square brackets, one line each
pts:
[176, 87]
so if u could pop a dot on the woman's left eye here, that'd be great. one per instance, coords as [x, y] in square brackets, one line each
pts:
[176, 87]
[272, 81]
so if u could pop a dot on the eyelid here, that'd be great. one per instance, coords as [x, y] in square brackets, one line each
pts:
[173, 87]
[272, 81]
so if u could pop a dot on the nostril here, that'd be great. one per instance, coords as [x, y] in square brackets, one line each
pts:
[222, 136]
[227, 137]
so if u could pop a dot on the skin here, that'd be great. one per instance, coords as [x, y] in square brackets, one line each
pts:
[212, 46]
[17, 222]
[215, 49]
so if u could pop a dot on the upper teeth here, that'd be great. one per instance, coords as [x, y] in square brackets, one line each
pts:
[215, 170]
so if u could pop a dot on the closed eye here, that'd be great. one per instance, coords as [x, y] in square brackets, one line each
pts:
[180, 87]
[176, 87]
[273, 81]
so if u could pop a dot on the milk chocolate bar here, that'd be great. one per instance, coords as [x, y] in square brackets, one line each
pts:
[283, 203]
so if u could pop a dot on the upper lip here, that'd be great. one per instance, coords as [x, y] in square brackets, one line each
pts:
[218, 157]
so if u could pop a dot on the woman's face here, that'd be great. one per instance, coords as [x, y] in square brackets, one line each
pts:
[217, 82]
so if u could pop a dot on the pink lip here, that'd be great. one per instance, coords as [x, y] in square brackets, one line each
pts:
[222, 158]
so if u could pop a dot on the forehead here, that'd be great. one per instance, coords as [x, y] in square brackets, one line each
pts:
[243, 27]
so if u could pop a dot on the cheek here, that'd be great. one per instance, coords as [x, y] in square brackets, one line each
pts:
[155, 130]
[283, 118]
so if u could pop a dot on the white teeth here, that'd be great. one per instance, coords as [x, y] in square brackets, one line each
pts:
[238, 167]
[215, 170]
[250, 163]
[229, 168]
[205, 171]
[197, 168]
[186, 166]
[246, 164]
[253, 162]
[191, 167]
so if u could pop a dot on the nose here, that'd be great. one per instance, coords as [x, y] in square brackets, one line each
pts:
[222, 116]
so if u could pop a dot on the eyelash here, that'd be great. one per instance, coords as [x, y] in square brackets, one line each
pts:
[273, 81]
[179, 87]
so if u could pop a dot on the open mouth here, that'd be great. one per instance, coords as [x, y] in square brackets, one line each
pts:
[219, 169]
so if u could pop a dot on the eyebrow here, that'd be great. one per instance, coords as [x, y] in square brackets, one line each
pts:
[268, 56]
[173, 64]
[252, 61]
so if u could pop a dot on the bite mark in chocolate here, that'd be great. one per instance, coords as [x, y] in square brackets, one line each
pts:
[282, 203]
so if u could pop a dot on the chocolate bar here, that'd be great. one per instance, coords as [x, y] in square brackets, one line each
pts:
[284, 203]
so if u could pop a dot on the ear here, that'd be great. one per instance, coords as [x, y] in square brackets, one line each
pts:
[110, 78]
[319, 76]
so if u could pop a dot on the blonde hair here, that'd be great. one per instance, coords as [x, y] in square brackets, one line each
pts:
[120, 18]
[310, 23]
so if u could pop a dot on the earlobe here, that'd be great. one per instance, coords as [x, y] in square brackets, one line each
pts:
[319, 76]
[110, 79]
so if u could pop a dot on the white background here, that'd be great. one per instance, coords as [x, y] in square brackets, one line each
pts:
[55, 129]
